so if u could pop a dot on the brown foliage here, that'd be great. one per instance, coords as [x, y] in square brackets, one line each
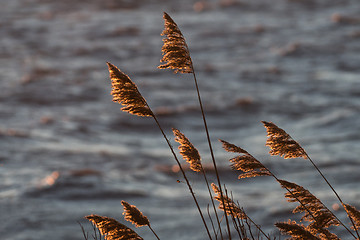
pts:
[175, 50]
[231, 208]
[112, 229]
[245, 162]
[125, 92]
[324, 218]
[134, 215]
[188, 151]
[282, 143]
[354, 214]
[296, 231]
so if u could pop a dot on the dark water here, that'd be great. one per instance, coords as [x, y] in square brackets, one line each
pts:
[67, 151]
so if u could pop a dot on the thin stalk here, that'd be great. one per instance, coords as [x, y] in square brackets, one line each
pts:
[212, 223]
[209, 142]
[308, 209]
[153, 232]
[337, 195]
[247, 217]
[236, 224]
[184, 175]
[212, 201]
[83, 231]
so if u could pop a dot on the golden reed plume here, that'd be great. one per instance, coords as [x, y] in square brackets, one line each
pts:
[188, 151]
[317, 208]
[296, 231]
[112, 229]
[175, 50]
[125, 92]
[282, 143]
[134, 215]
[232, 208]
[245, 162]
[354, 214]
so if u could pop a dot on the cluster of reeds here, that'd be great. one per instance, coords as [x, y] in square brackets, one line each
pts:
[231, 221]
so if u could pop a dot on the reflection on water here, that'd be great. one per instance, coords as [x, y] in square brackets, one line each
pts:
[68, 151]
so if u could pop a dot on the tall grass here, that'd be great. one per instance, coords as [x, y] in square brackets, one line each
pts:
[226, 219]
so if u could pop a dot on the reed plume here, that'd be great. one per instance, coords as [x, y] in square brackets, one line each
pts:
[125, 92]
[296, 231]
[282, 143]
[233, 209]
[192, 156]
[134, 215]
[245, 162]
[322, 214]
[354, 214]
[230, 207]
[175, 50]
[188, 151]
[112, 229]
[177, 56]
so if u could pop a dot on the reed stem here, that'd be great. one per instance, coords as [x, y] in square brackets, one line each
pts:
[338, 197]
[153, 232]
[209, 142]
[212, 201]
[184, 175]
[297, 199]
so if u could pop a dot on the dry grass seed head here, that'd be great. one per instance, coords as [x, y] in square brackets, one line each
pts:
[231, 208]
[245, 162]
[324, 218]
[354, 214]
[125, 92]
[175, 50]
[229, 147]
[112, 229]
[282, 143]
[322, 233]
[134, 215]
[188, 151]
[296, 231]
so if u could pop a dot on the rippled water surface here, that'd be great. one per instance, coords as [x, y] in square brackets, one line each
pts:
[67, 151]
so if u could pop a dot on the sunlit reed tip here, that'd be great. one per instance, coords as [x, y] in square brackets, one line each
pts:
[125, 92]
[175, 50]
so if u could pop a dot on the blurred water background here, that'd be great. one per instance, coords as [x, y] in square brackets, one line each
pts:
[67, 151]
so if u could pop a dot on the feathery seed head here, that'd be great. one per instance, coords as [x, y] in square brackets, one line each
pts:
[125, 92]
[112, 229]
[134, 215]
[245, 162]
[231, 208]
[175, 50]
[281, 143]
[188, 151]
[354, 214]
[296, 231]
[323, 216]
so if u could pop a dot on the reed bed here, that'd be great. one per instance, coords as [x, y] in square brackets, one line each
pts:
[225, 218]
